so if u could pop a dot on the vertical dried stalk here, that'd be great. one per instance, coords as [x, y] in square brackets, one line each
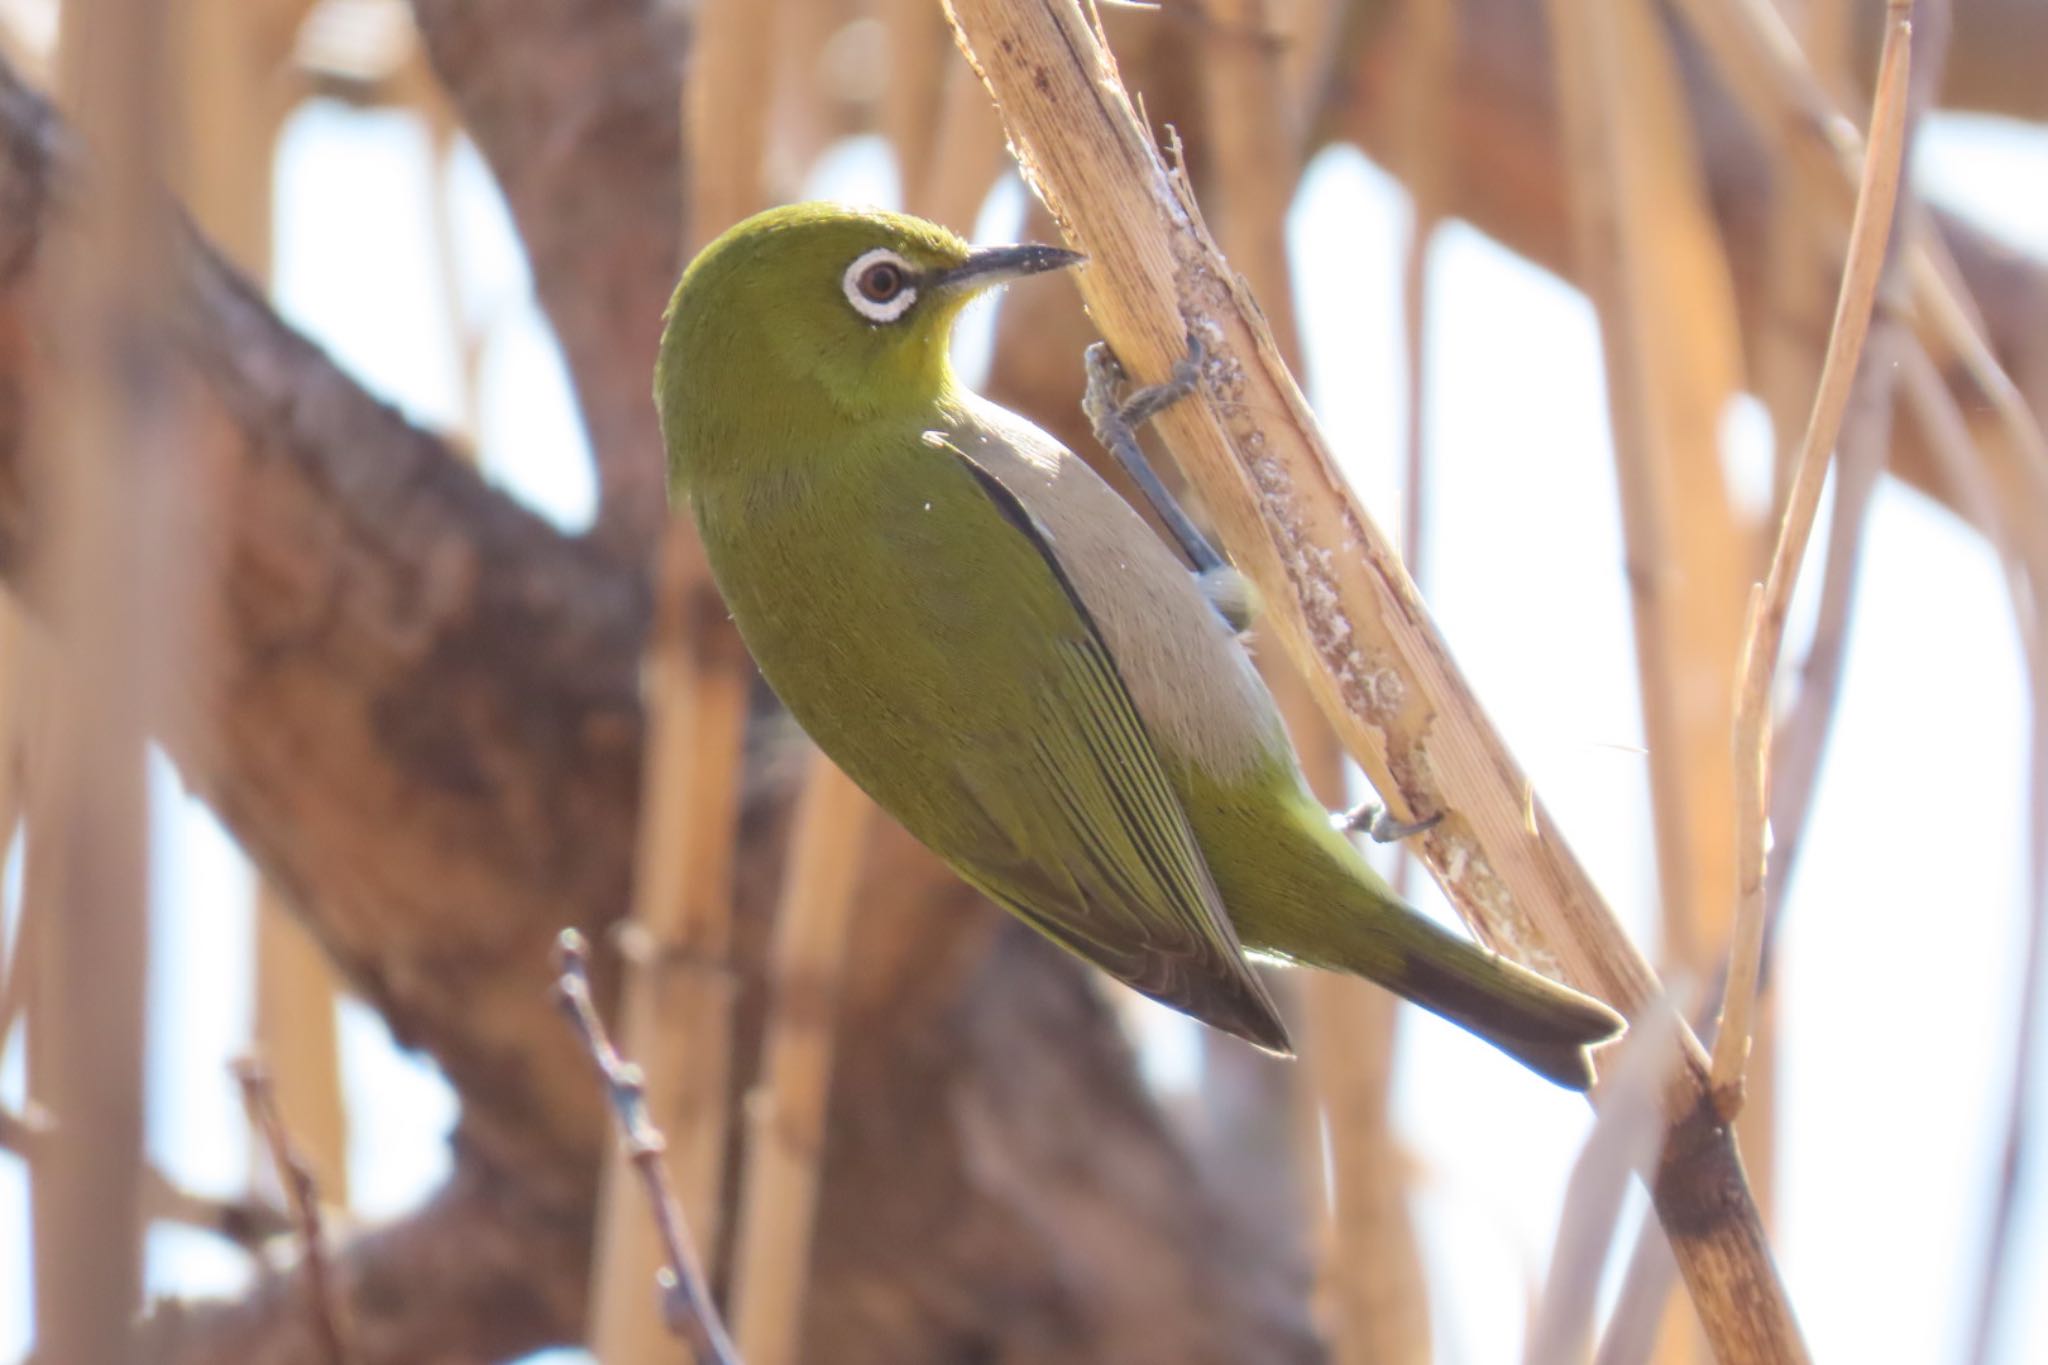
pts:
[677, 1006]
[969, 155]
[87, 869]
[786, 1118]
[234, 100]
[1623, 1140]
[920, 65]
[18, 665]
[1769, 604]
[1339, 599]
[1263, 1134]
[1800, 742]
[1649, 252]
[1431, 49]
[1651, 255]
[1369, 1273]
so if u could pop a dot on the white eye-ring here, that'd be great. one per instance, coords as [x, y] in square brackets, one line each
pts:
[879, 285]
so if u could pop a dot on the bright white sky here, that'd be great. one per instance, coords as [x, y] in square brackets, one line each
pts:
[1898, 972]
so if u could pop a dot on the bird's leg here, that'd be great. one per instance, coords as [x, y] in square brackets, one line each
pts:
[1372, 818]
[1116, 422]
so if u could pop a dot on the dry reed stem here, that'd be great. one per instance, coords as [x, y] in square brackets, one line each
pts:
[686, 1304]
[920, 60]
[1373, 1296]
[725, 118]
[968, 157]
[786, 1117]
[234, 98]
[1948, 437]
[295, 1023]
[1339, 599]
[1431, 43]
[104, 437]
[17, 667]
[1650, 254]
[1869, 232]
[1623, 1141]
[302, 1193]
[676, 1008]
[1802, 739]
[1643, 1306]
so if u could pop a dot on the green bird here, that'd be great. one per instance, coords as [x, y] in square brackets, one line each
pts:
[994, 645]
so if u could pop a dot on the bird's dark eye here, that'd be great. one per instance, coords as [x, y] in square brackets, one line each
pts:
[882, 281]
[880, 285]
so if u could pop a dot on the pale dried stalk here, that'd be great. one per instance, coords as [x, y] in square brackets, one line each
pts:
[1430, 49]
[686, 1304]
[968, 157]
[233, 99]
[248, 1223]
[676, 1009]
[1255, 1108]
[1801, 740]
[920, 61]
[302, 1192]
[786, 1117]
[1869, 232]
[1651, 257]
[725, 119]
[1338, 598]
[16, 669]
[1623, 1141]
[1373, 1298]
[87, 867]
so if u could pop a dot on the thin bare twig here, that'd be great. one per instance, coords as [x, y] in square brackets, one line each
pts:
[686, 1301]
[1801, 739]
[1869, 233]
[302, 1192]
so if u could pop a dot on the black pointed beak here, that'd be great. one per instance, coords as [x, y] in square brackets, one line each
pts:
[996, 265]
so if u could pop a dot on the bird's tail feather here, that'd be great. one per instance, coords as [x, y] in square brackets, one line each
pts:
[1541, 1024]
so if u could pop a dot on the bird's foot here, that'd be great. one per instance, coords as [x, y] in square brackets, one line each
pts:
[1116, 418]
[1372, 819]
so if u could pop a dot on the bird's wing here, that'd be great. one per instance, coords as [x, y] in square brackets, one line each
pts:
[1138, 901]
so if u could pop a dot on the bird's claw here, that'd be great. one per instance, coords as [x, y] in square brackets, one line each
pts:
[1373, 820]
[1116, 419]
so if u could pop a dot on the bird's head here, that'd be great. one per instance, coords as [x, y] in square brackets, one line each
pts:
[820, 313]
